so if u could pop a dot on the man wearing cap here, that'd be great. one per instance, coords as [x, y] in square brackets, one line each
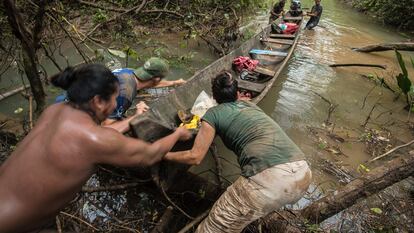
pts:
[151, 74]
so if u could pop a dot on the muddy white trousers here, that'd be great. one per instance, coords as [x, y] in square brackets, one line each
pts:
[248, 199]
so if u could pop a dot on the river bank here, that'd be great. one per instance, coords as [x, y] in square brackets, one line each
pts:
[399, 14]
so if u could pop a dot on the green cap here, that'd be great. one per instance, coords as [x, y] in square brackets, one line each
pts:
[153, 67]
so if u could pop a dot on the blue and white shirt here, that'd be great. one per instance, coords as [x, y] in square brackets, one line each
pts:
[127, 92]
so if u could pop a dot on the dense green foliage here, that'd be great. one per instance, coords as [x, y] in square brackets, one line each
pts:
[398, 13]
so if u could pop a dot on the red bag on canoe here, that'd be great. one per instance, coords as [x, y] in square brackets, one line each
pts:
[240, 63]
[291, 28]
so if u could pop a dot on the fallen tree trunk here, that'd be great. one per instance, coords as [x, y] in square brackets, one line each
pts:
[13, 92]
[357, 64]
[405, 46]
[364, 186]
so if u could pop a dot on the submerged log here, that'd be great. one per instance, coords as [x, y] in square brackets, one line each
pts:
[405, 46]
[364, 186]
[358, 64]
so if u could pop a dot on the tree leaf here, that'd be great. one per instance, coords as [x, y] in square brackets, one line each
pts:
[363, 168]
[322, 145]
[18, 110]
[117, 53]
[404, 83]
[402, 64]
[132, 53]
[376, 210]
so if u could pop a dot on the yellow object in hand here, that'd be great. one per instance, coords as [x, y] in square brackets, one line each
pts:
[193, 124]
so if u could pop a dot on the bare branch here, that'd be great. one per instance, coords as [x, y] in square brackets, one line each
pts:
[392, 150]
[51, 58]
[331, 108]
[370, 113]
[38, 27]
[86, 189]
[91, 4]
[165, 8]
[79, 219]
[358, 64]
[136, 9]
[173, 204]
[164, 11]
[70, 38]
[194, 222]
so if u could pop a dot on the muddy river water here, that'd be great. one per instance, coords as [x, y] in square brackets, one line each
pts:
[295, 106]
[295, 101]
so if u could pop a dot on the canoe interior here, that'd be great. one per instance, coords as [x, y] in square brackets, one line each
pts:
[162, 117]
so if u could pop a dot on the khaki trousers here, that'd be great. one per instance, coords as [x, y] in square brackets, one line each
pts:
[248, 199]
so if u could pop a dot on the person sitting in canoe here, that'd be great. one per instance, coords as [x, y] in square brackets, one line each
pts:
[273, 169]
[315, 15]
[277, 10]
[61, 152]
[150, 75]
[295, 9]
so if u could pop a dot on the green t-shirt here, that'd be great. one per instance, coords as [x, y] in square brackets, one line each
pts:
[257, 139]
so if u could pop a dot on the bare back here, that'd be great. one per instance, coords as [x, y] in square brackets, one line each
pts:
[47, 169]
[59, 155]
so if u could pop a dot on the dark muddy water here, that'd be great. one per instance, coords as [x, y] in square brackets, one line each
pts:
[295, 105]
[295, 102]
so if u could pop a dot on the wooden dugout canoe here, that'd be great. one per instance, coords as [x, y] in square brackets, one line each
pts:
[273, 52]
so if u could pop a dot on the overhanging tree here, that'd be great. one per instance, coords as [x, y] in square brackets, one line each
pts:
[30, 42]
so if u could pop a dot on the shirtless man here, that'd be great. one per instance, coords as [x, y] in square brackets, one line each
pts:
[61, 152]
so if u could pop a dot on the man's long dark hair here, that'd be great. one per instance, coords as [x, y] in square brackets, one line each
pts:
[85, 81]
[224, 88]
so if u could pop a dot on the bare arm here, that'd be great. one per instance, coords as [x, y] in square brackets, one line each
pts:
[315, 13]
[276, 14]
[119, 150]
[202, 142]
[166, 83]
[122, 126]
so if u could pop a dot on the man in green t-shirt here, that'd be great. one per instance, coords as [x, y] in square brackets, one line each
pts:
[273, 170]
